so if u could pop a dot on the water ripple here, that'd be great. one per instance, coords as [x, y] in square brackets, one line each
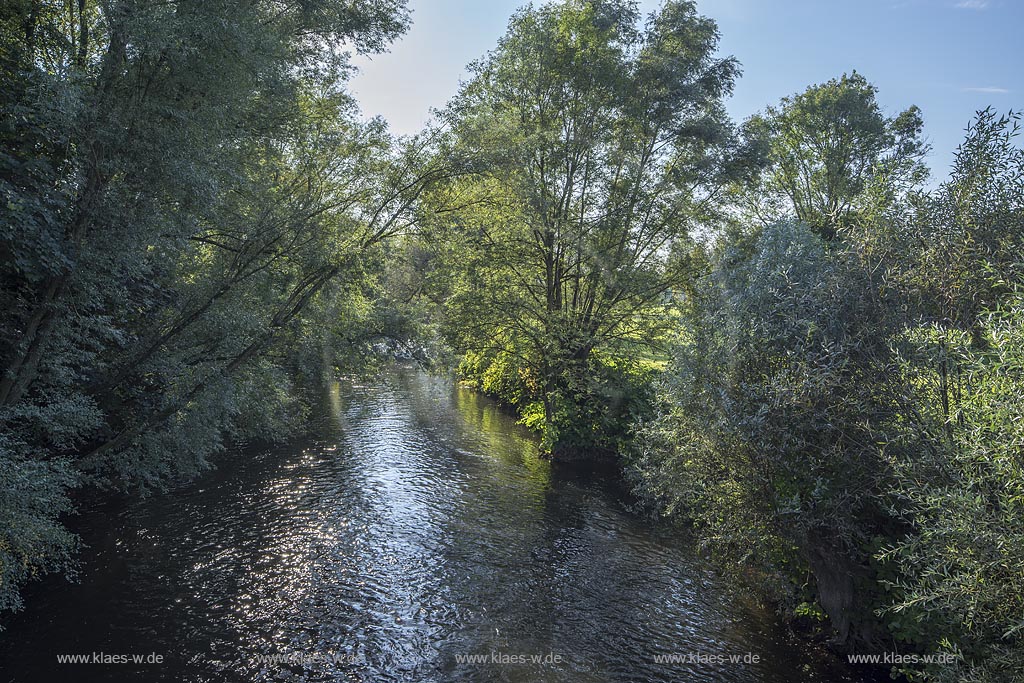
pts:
[423, 528]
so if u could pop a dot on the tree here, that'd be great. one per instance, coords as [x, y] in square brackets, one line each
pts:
[847, 410]
[773, 412]
[830, 153]
[598, 147]
[179, 184]
[957, 590]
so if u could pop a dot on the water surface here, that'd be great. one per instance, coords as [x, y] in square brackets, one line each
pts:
[418, 529]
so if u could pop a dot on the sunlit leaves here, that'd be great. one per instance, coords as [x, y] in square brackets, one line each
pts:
[597, 147]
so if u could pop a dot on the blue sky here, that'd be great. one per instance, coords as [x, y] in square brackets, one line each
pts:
[949, 57]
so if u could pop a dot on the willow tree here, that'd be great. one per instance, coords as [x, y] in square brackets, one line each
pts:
[832, 154]
[180, 183]
[598, 146]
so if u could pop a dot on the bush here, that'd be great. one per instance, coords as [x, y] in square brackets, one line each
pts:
[772, 416]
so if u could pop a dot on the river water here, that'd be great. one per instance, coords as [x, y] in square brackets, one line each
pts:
[418, 532]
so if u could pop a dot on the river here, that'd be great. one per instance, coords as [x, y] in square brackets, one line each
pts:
[417, 537]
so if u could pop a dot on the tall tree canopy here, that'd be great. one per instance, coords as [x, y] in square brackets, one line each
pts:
[598, 147]
[826, 149]
[180, 184]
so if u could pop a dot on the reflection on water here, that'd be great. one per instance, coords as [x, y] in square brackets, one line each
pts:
[419, 529]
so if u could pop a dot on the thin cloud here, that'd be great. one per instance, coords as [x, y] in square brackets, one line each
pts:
[989, 90]
[973, 4]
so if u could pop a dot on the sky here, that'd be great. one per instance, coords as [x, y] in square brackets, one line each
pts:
[949, 57]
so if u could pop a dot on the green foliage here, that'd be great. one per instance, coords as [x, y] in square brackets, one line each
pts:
[594, 148]
[832, 155]
[957, 589]
[195, 224]
[181, 185]
[33, 496]
[845, 408]
[775, 411]
[961, 571]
